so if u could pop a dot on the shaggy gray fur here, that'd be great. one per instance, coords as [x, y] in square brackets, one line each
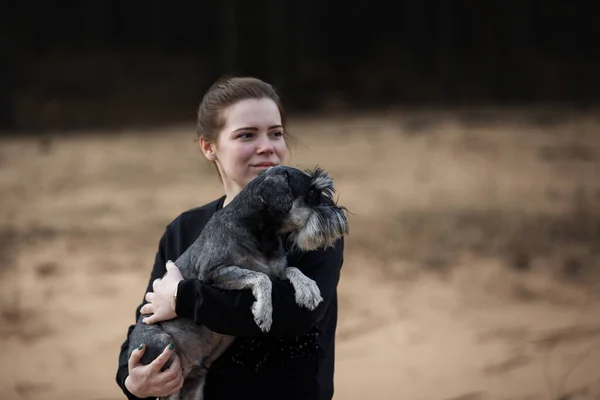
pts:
[241, 248]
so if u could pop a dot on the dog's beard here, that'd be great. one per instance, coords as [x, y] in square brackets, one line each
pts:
[315, 227]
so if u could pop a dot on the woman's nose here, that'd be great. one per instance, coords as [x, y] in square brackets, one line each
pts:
[265, 146]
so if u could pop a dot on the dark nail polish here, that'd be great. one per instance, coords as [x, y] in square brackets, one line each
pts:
[140, 346]
[171, 346]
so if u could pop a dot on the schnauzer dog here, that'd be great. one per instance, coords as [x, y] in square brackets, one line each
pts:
[242, 247]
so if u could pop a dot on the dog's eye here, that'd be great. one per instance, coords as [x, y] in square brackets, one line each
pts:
[313, 196]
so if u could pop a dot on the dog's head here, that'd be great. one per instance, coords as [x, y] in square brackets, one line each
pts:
[303, 202]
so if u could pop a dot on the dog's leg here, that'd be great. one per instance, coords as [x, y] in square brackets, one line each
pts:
[195, 390]
[236, 278]
[307, 291]
[171, 397]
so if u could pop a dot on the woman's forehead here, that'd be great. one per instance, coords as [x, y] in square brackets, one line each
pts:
[260, 113]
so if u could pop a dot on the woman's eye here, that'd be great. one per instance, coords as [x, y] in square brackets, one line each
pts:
[245, 135]
[277, 133]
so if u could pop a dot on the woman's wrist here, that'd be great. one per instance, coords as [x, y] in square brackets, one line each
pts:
[174, 299]
[187, 297]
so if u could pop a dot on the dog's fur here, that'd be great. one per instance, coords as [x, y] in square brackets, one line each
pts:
[241, 247]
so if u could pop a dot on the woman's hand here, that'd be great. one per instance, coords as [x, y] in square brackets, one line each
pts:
[160, 300]
[148, 380]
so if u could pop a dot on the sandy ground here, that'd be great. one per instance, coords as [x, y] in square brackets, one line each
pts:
[471, 269]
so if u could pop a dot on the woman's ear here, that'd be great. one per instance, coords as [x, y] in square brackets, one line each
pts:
[207, 148]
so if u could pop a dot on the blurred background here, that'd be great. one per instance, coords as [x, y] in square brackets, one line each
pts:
[462, 135]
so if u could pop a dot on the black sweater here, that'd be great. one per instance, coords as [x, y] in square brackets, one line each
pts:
[294, 360]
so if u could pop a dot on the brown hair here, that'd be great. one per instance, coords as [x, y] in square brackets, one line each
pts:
[226, 92]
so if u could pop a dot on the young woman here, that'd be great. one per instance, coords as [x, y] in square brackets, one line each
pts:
[241, 129]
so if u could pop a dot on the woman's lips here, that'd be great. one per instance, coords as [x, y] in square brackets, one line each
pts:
[264, 165]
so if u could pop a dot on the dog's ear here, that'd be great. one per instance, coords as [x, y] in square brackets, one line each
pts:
[276, 194]
[321, 182]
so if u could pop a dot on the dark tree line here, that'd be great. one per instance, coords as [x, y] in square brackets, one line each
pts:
[363, 53]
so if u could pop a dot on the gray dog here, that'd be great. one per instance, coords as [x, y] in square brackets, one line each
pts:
[241, 247]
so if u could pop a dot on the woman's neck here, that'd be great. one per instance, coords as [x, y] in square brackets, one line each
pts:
[227, 200]
[230, 192]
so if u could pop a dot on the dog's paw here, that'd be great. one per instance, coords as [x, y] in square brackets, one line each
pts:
[308, 294]
[263, 316]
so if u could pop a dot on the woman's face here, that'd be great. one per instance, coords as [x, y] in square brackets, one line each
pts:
[252, 140]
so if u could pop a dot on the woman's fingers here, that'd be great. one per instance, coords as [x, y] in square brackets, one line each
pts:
[147, 309]
[173, 381]
[152, 319]
[176, 364]
[175, 385]
[136, 356]
[176, 382]
[151, 378]
[171, 373]
[161, 360]
[173, 376]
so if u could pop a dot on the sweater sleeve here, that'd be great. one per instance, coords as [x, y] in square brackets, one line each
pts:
[158, 271]
[228, 311]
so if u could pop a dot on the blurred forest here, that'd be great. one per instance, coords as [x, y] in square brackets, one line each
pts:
[69, 65]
